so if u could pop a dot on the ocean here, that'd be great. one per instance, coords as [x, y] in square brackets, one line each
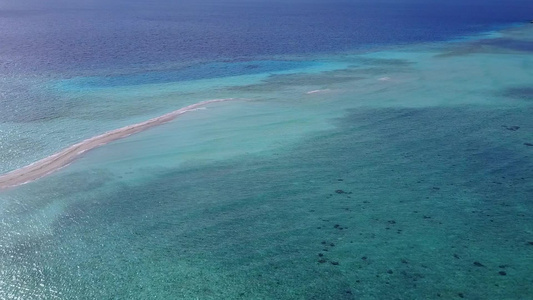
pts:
[364, 150]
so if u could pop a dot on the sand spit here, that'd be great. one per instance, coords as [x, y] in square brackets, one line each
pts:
[64, 157]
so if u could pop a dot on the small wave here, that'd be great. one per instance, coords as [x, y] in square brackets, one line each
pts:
[198, 108]
[317, 91]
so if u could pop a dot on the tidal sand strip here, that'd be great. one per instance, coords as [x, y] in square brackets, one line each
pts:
[64, 157]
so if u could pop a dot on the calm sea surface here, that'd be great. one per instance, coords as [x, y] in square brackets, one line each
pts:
[375, 150]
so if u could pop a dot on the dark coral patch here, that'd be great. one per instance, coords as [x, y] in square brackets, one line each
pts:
[521, 93]
[478, 264]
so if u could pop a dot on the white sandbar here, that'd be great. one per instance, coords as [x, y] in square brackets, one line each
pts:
[64, 157]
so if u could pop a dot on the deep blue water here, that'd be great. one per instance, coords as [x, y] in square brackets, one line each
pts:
[77, 36]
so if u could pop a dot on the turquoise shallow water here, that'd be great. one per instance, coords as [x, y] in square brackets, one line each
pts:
[408, 176]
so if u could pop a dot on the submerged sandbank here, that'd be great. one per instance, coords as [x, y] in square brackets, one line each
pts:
[64, 157]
